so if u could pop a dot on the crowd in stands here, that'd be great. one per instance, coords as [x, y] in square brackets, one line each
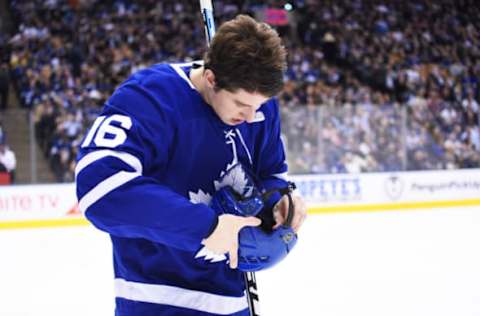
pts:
[8, 162]
[420, 55]
[4, 85]
[370, 86]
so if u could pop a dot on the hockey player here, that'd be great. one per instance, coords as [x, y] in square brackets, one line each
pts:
[151, 162]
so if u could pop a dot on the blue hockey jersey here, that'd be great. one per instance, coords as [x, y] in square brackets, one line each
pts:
[146, 172]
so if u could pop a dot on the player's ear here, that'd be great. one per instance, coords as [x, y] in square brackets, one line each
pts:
[210, 78]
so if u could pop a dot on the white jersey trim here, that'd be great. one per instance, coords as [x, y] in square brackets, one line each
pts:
[129, 159]
[244, 146]
[178, 69]
[179, 297]
[259, 117]
[105, 187]
[283, 176]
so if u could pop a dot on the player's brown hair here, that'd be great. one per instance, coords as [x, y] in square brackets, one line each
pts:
[249, 55]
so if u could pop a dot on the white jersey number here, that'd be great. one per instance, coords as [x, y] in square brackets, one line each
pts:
[108, 135]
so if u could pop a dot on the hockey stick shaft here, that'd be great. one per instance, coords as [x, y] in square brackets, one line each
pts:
[252, 293]
[206, 7]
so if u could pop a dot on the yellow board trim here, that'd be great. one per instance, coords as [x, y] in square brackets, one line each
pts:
[400, 206]
[43, 223]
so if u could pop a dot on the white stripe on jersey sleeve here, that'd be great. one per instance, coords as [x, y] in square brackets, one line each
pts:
[179, 297]
[105, 187]
[129, 159]
[282, 176]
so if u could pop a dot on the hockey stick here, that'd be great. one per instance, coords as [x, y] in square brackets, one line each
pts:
[206, 8]
[252, 293]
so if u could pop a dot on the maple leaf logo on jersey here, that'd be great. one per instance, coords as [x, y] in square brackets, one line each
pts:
[210, 255]
[236, 178]
[200, 197]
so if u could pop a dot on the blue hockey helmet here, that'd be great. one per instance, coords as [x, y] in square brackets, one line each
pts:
[259, 247]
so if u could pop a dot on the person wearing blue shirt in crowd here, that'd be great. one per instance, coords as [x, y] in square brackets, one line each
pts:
[161, 148]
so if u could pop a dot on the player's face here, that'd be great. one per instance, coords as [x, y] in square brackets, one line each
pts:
[234, 108]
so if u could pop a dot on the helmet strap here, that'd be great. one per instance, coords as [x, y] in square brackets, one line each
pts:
[266, 215]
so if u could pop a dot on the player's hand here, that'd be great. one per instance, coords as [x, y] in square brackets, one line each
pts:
[280, 211]
[224, 238]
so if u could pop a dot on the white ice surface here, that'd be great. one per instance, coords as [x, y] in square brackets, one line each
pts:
[415, 263]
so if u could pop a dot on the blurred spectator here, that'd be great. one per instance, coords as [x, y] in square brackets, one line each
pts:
[3, 135]
[8, 162]
[4, 85]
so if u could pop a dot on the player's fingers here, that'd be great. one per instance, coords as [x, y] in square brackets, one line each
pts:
[251, 221]
[233, 256]
[277, 211]
[297, 222]
[300, 214]
[279, 218]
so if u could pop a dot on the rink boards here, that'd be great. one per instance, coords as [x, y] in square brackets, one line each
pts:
[50, 205]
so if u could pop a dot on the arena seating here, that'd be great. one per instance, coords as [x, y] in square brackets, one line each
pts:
[406, 74]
